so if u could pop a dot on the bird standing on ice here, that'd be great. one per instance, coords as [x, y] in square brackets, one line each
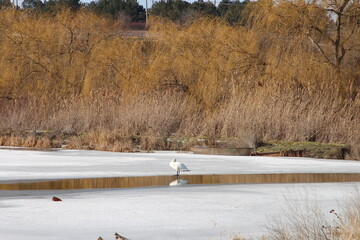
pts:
[178, 166]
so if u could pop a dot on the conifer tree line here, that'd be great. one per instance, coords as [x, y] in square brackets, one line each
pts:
[176, 10]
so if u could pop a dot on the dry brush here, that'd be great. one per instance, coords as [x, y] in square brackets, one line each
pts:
[80, 75]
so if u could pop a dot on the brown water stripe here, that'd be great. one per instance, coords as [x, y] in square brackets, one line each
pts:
[145, 181]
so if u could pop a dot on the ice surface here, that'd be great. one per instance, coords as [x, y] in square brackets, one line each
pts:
[16, 165]
[183, 212]
[173, 212]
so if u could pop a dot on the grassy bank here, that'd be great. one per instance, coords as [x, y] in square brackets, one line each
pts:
[112, 141]
[312, 149]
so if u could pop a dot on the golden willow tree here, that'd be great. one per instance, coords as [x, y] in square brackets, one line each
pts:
[325, 31]
[47, 55]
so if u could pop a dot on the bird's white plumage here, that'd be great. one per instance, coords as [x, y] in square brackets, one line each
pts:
[178, 166]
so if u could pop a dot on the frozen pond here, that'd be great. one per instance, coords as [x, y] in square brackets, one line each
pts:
[167, 212]
[25, 165]
[183, 212]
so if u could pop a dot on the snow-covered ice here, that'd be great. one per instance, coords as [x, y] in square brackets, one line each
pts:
[184, 212]
[173, 212]
[84, 164]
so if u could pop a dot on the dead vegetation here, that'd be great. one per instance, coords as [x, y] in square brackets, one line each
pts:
[304, 219]
[309, 222]
[79, 78]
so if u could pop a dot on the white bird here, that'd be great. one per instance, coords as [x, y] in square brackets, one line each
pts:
[178, 166]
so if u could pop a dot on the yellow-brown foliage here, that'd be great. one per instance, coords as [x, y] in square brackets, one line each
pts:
[30, 141]
[43, 142]
[309, 221]
[79, 74]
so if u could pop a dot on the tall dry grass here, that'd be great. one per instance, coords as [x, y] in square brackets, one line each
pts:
[308, 221]
[79, 75]
[305, 219]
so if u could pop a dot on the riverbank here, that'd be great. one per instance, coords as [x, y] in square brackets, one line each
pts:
[45, 139]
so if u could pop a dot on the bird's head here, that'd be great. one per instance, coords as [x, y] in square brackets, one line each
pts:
[174, 160]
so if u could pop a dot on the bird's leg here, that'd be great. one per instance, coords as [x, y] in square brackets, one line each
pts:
[177, 175]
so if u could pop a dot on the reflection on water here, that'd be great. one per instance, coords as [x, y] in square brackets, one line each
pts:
[179, 182]
[132, 182]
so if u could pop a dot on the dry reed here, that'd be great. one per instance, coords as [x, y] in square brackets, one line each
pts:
[78, 77]
[308, 221]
